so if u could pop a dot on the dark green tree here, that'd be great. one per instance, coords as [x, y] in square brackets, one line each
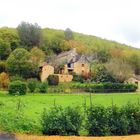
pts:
[19, 63]
[30, 34]
[68, 34]
[102, 75]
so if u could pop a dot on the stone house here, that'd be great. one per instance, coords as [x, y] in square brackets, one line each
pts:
[135, 80]
[73, 63]
[45, 71]
[65, 64]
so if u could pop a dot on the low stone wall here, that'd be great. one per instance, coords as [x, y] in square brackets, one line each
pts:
[65, 77]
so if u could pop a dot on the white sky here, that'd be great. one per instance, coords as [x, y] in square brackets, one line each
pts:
[117, 20]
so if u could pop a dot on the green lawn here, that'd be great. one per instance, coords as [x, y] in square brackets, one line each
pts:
[35, 103]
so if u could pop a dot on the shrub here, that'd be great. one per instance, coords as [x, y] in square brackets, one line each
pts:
[11, 121]
[113, 120]
[59, 121]
[97, 121]
[118, 122]
[4, 80]
[53, 79]
[32, 84]
[78, 78]
[43, 87]
[132, 112]
[17, 88]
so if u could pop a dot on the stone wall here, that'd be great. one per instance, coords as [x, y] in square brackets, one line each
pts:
[46, 71]
[65, 77]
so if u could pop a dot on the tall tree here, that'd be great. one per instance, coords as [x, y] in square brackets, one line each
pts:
[30, 34]
[68, 34]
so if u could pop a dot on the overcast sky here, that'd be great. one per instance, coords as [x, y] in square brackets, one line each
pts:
[117, 20]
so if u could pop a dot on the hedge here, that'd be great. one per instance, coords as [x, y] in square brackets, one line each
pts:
[43, 87]
[32, 84]
[113, 120]
[105, 87]
[97, 120]
[53, 80]
[17, 88]
[61, 121]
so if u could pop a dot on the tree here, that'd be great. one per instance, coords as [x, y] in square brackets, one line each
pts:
[19, 63]
[101, 74]
[4, 50]
[119, 69]
[30, 34]
[10, 36]
[57, 44]
[37, 57]
[134, 61]
[103, 55]
[68, 34]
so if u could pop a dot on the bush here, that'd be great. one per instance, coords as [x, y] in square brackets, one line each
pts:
[43, 87]
[97, 121]
[17, 88]
[132, 112]
[113, 120]
[32, 84]
[118, 122]
[53, 80]
[59, 121]
[12, 121]
[78, 78]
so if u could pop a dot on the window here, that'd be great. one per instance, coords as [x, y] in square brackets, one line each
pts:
[83, 65]
[82, 71]
[69, 65]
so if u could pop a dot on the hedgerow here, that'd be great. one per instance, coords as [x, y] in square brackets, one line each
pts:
[105, 87]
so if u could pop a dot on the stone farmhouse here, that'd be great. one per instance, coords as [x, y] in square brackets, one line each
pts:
[65, 64]
[135, 79]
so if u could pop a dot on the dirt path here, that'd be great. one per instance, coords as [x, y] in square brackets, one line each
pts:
[5, 136]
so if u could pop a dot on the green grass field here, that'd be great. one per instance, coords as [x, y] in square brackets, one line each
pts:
[35, 103]
[32, 106]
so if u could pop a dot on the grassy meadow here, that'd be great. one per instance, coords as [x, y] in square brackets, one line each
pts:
[22, 114]
[33, 104]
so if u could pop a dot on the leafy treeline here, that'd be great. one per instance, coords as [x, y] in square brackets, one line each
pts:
[24, 48]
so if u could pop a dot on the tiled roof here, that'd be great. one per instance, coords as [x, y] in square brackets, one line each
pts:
[137, 77]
